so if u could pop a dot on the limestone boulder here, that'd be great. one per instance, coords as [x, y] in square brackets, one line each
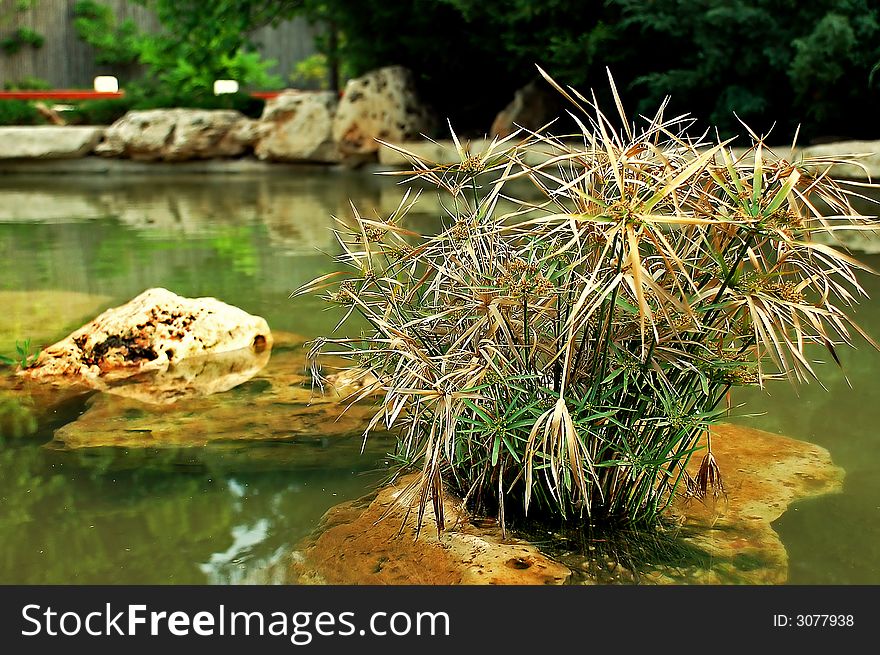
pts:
[179, 135]
[48, 141]
[298, 126]
[383, 104]
[156, 329]
[532, 107]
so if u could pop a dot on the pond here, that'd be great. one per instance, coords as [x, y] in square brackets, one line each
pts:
[71, 246]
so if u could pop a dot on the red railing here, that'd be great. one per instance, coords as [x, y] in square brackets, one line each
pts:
[264, 95]
[60, 94]
[81, 94]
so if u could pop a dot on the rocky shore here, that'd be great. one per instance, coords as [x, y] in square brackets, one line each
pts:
[304, 127]
[724, 540]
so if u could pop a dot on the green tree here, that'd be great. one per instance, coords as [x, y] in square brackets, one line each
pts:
[767, 61]
[468, 58]
[198, 42]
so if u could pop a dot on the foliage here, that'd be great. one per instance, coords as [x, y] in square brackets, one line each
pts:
[27, 83]
[475, 66]
[801, 63]
[115, 44]
[10, 9]
[21, 37]
[99, 112]
[199, 42]
[568, 355]
[25, 358]
[19, 112]
[805, 63]
[312, 72]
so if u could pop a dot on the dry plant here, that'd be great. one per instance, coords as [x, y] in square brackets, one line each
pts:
[567, 356]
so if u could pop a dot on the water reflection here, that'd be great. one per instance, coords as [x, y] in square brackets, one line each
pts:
[70, 248]
[190, 377]
[73, 246]
[65, 523]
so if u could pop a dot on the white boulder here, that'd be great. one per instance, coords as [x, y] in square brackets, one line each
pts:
[154, 330]
[179, 135]
[382, 104]
[298, 126]
[48, 141]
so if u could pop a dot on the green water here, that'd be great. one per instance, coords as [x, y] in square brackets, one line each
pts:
[222, 515]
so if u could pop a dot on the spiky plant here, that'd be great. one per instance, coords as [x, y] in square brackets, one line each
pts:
[568, 355]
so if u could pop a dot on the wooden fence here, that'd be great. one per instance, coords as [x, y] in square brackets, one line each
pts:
[65, 61]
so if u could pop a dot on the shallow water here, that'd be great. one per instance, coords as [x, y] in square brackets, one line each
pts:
[76, 245]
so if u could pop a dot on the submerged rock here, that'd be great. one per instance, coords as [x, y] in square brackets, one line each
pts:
[728, 540]
[764, 474]
[154, 330]
[383, 104]
[373, 541]
[276, 404]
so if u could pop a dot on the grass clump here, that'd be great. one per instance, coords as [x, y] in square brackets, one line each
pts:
[566, 356]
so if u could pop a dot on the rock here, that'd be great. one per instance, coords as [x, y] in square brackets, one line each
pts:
[730, 539]
[373, 541]
[179, 134]
[193, 376]
[354, 381]
[298, 126]
[727, 539]
[48, 141]
[763, 474]
[532, 107]
[851, 159]
[277, 404]
[155, 329]
[379, 105]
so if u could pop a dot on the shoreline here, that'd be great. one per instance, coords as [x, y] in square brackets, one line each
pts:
[51, 150]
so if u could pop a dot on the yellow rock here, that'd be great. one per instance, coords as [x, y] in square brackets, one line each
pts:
[277, 403]
[372, 541]
[361, 542]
